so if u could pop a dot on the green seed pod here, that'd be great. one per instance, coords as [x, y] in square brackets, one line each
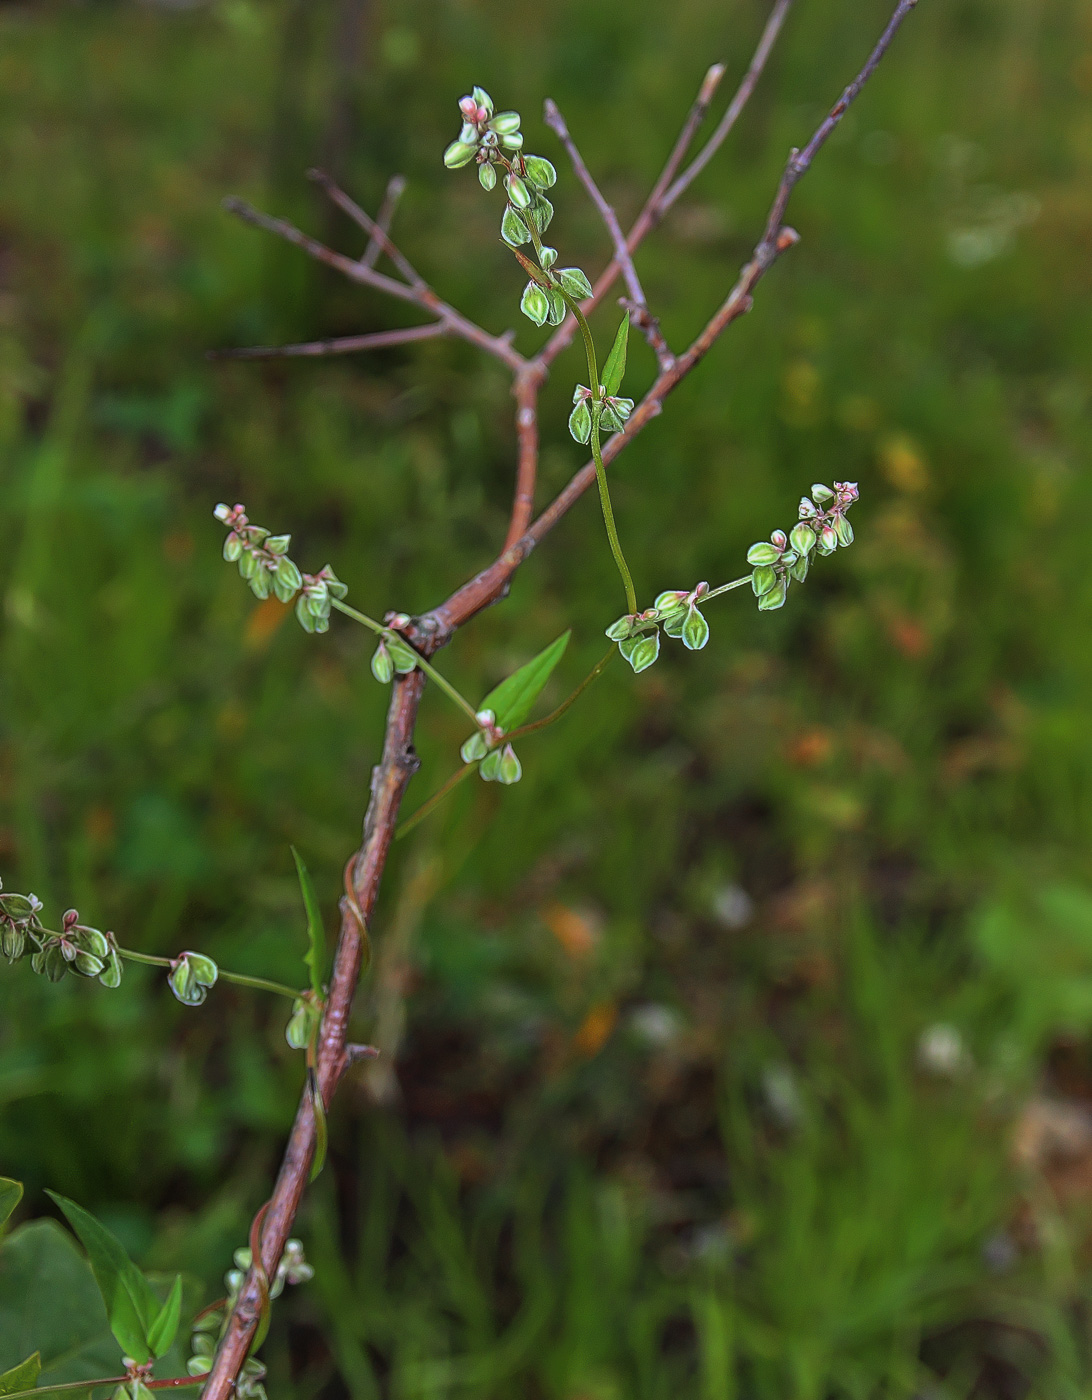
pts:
[510, 770]
[54, 963]
[184, 984]
[261, 585]
[382, 665]
[512, 142]
[278, 544]
[695, 632]
[110, 976]
[534, 303]
[623, 408]
[580, 422]
[763, 553]
[621, 629]
[844, 531]
[87, 965]
[547, 257]
[298, 1030]
[802, 538]
[318, 600]
[542, 211]
[674, 623]
[822, 493]
[490, 768]
[518, 192]
[248, 564]
[304, 616]
[16, 906]
[799, 570]
[774, 598]
[477, 746]
[196, 1366]
[289, 578]
[513, 229]
[540, 171]
[504, 123]
[90, 940]
[322, 624]
[13, 942]
[641, 651]
[558, 308]
[459, 153]
[828, 540]
[762, 580]
[575, 283]
[402, 654]
[233, 547]
[609, 420]
[204, 969]
[482, 98]
[487, 175]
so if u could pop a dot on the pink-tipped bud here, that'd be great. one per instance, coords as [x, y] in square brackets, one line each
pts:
[779, 538]
[469, 108]
[481, 114]
[71, 919]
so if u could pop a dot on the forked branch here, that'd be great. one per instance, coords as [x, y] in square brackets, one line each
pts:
[398, 763]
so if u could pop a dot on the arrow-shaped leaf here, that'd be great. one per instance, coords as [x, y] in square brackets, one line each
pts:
[511, 701]
[21, 1377]
[316, 935]
[131, 1305]
[164, 1329]
[615, 368]
[11, 1193]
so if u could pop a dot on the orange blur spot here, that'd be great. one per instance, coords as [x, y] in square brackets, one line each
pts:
[595, 1029]
[264, 621]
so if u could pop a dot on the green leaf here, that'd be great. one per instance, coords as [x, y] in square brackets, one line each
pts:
[316, 934]
[615, 368]
[511, 701]
[164, 1329]
[49, 1302]
[131, 1305]
[11, 1193]
[22, 1377]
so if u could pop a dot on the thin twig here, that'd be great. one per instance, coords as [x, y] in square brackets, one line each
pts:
[638, 303]
[341, 345]
[455, 322]
[396, 187]
[662, 196]
[371, 226]
[399, 762]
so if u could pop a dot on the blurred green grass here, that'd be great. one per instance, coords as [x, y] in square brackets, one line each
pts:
[651, 1136]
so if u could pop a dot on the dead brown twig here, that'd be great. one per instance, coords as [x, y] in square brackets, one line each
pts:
[398, 763]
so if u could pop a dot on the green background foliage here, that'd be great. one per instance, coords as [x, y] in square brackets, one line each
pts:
[653, 1119]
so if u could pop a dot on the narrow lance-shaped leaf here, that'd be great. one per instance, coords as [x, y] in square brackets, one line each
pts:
[615, 368]
[164, 1329]
[11, 1193]
[131, 1305]
[511, 701]
[316, 936]
[21, 1377]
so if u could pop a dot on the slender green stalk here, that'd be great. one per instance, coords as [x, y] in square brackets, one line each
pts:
[172, 1383]
[430, 671]
[592, 675]
[259, 984]
[435, 800]
[726, 587]
[596, 405]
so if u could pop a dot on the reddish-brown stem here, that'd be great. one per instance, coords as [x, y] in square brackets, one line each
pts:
[399, 762]
[372, 227]
[525, 389]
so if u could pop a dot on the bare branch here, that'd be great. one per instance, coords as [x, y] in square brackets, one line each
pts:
[392, 776]
[376, 233]
[527, 385]
[455, 323]
[622, 257]
[735, 107]
[396, 187]
[340, 345]
[662, 195]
